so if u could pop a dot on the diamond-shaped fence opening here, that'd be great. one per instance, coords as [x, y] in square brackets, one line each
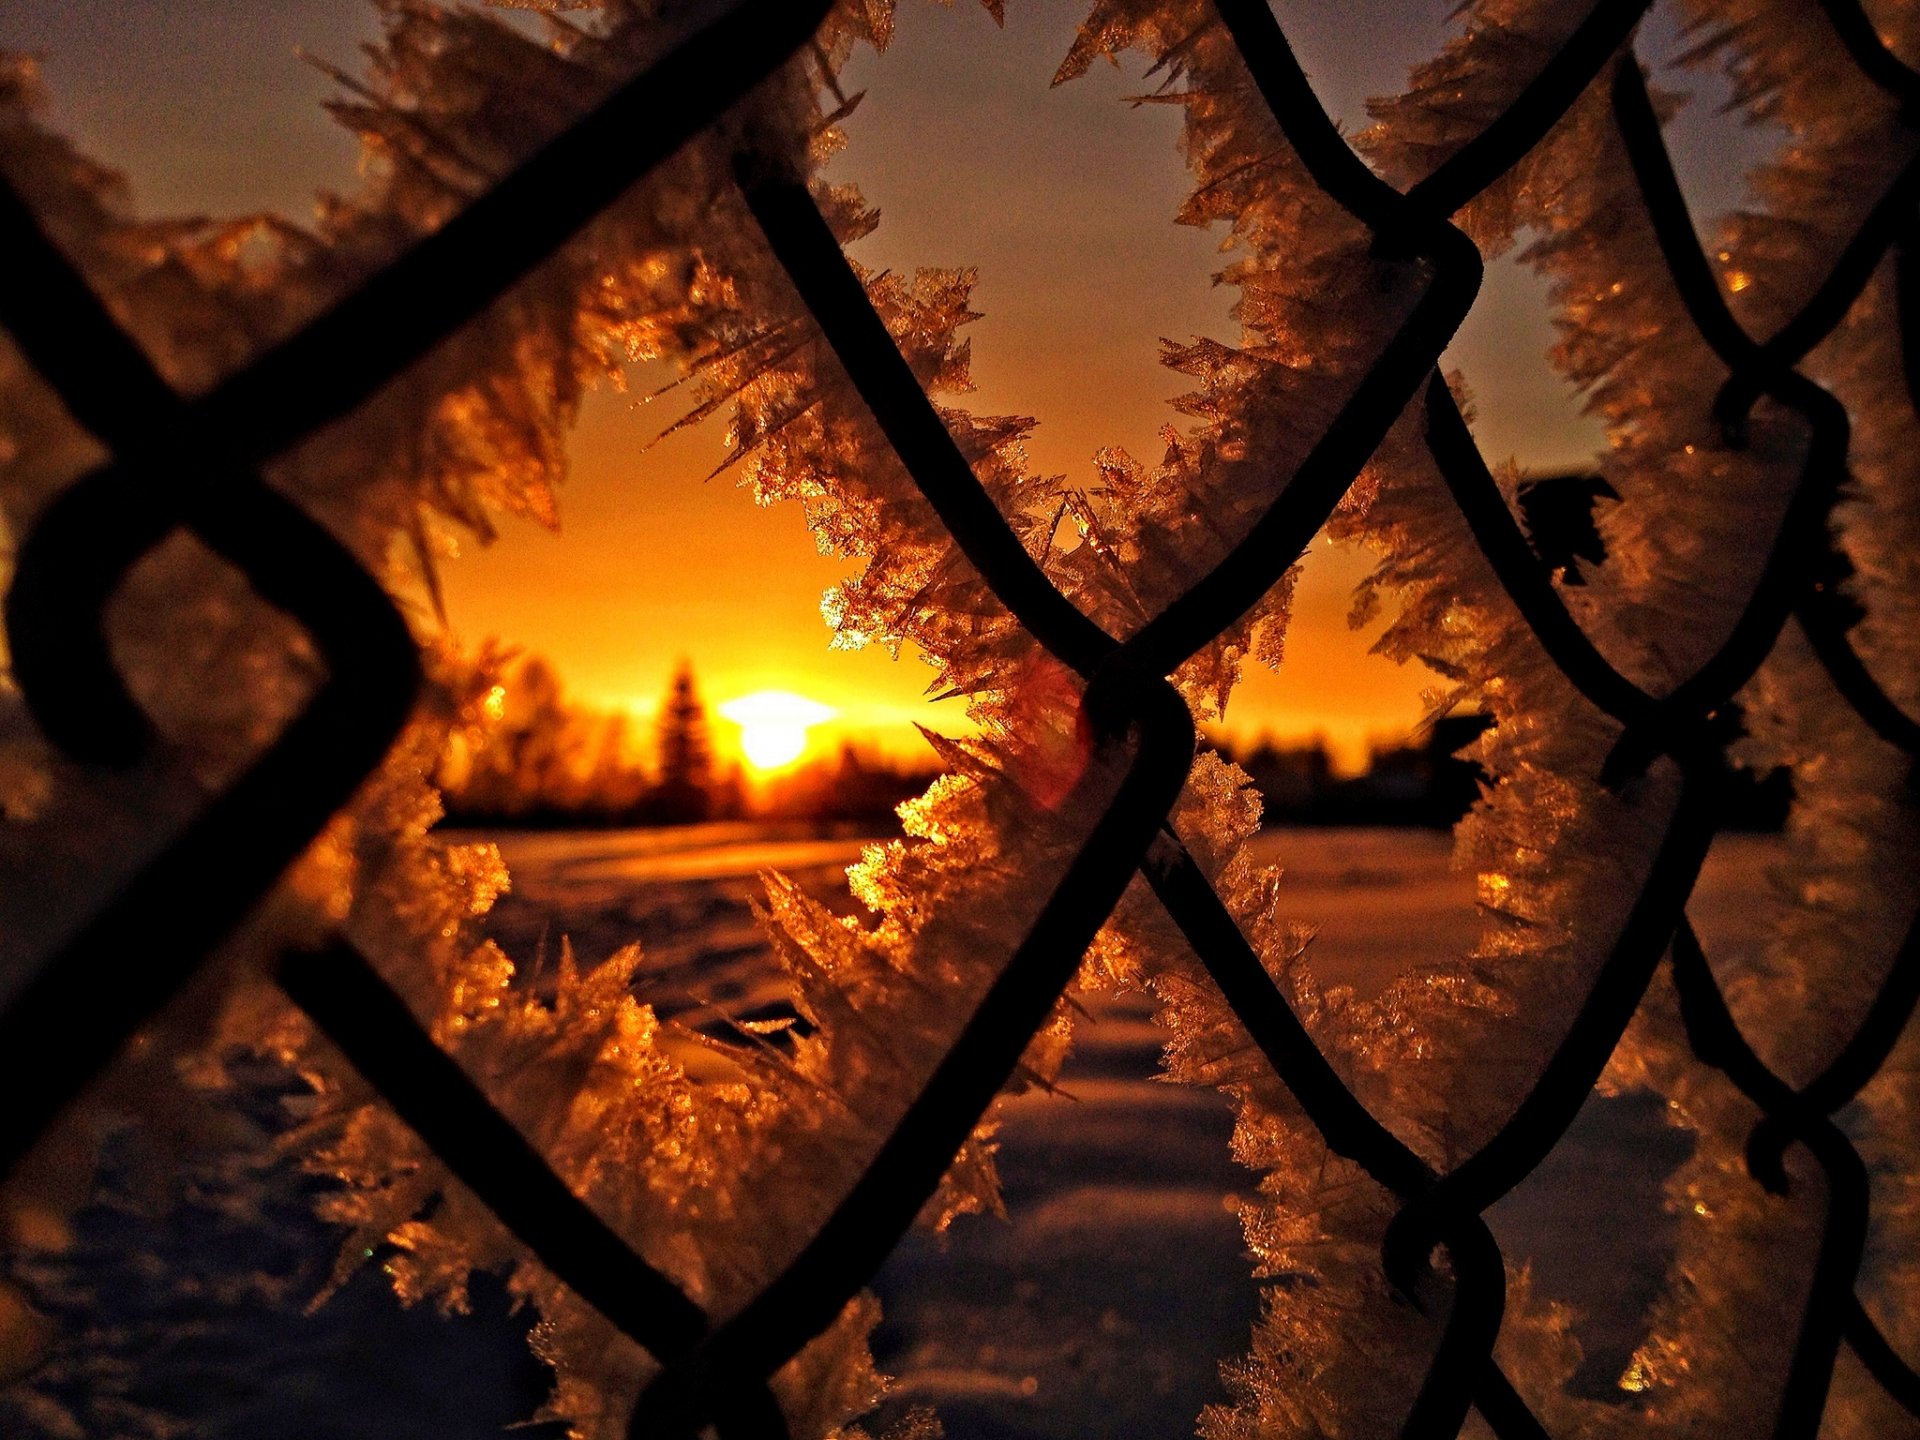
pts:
[177, 463]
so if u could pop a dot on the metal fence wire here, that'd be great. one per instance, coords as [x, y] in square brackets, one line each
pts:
[194, 465]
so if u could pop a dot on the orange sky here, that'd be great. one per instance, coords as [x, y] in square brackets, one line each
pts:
[1060, 197]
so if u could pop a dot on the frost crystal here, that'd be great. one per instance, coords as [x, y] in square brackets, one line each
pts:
[717, 1164]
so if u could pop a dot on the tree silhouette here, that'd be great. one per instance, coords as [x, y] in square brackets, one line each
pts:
[527, 766]
[684, 793]
[545, 760]
[613, 786]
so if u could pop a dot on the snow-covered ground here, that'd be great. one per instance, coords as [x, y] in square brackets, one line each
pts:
[1100, 1308]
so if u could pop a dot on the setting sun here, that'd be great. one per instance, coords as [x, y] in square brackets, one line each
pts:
[774, 724]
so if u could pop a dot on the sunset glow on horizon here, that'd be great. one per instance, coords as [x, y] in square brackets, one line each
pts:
[1080, 273]
[773, 726]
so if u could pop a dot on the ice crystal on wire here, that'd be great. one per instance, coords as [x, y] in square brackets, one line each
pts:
[574, 1060]
[476, 428]
[1677, 571]
[677, 1142]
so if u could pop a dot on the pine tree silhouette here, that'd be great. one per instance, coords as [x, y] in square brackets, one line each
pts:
[684, 793]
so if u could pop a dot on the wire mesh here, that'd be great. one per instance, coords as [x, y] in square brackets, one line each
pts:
[193, 464]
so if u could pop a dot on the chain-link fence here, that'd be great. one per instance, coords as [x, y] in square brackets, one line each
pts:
[194, 465]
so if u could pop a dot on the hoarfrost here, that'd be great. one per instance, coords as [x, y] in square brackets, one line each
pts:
[679, 1148]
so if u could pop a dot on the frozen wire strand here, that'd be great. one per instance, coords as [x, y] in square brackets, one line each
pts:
[181, 462]
[1349, 1128]
[400, 313]
[870, 1220]
[1328, 159]
[1888, 720]
[127, 960]
[807, 249]
[1239, 581]
[1717, 1041]
[1500, 1405]
[350, 351]
[1667, 210]
[92, 533]
[1352, 1131]
[1286, 529]
[1711, 1032]
[1830, 1297]
[1843, 1240]
[1537, 109]
[106, 383]
[1883, 1362]
[1826, 632]
[1871, 54]
[102, 982]
[1521, 575]
[1788, 569]
[800, 239]
[1890, 222]
[1455, 1374]
[360, 1013]
[1827, 306]
[1867, 1050]
[1564, 1084]
[1832, 1308]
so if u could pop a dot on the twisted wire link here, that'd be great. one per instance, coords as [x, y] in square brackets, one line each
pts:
[193, 463]
[877, 1212]
[374, 1029]
[125, 962]
[800, 239]
[1790, 584]
[1833, 1308]
[1686, 723]
[1810, 592]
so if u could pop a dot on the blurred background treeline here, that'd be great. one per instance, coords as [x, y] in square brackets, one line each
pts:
[545, 762]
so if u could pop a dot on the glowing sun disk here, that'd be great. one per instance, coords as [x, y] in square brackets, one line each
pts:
[774, 724]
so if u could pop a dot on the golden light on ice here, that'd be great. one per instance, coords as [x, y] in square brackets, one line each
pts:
[774, 724]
